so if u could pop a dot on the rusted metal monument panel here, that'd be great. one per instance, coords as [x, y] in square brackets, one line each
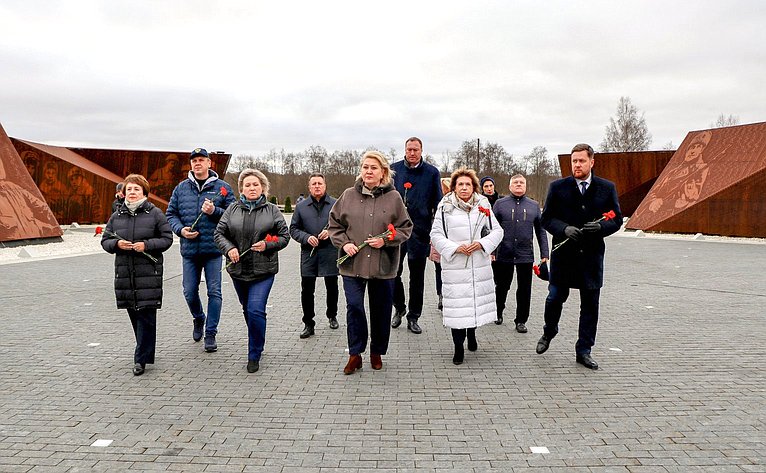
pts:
[76, 189]
[715, 184]
[633, 173]
[24, 214]
[163, 169]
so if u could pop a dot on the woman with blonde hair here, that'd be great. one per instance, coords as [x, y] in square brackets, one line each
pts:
[250, 233]
[465, 233]
[367, 224]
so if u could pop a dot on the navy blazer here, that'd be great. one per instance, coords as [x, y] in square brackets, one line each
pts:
[579, 264]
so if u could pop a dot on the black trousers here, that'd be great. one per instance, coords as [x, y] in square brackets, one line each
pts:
[308, 286]
[144, 323]
[503, 275]
[417, 268]
[459, 335]
[438, 270]
[589, 302]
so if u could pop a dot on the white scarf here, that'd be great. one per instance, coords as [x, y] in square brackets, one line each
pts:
[133, 206]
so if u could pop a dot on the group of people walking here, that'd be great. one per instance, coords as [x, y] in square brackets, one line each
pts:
[392, 214]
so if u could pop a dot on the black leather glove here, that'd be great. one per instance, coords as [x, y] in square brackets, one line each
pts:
[592, 227]
[573, 233]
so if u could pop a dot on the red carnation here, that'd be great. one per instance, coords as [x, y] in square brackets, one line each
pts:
[408, 185]
[222, 192]
[536, 269]
[391, 232]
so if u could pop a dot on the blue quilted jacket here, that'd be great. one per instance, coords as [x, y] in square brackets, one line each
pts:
[186, 204]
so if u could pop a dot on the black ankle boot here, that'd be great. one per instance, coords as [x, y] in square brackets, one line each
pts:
[458, 358]
[472, 345]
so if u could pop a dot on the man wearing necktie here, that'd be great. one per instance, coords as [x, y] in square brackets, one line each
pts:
[572, 208]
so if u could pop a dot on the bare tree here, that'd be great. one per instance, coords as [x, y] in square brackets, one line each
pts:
[248, 161]
[669, 145]
[392, 153]
[723, 121]
[628, 132]
[539, 170]
[317, 158]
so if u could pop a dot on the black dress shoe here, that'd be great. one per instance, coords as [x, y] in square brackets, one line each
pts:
[458, 357]
[138, 369]
[542, 345]
[334, 323]
[252, 366]
[307, 332]
[396, 320]
[587, 361]
[499, 320]
[521, 328]
[412, 326]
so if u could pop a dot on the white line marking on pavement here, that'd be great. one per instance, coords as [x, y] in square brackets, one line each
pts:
[539, 449]
[101, 443]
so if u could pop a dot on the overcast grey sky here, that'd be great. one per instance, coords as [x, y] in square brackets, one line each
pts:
[248, 76]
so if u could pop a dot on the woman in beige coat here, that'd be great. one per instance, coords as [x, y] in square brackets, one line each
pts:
[368, 223]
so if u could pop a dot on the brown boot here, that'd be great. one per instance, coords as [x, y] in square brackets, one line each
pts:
[375, 361]
[354, 363]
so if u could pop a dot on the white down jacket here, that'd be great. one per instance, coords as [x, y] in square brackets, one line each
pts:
[468, 289]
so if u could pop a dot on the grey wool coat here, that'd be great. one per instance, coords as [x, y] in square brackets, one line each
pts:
[357, 216]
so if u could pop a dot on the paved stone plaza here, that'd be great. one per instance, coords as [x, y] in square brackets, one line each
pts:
[682, 346]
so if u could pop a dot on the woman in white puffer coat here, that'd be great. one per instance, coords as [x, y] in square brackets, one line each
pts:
[465, 233]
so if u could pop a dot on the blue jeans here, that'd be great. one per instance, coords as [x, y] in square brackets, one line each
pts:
[253, 296]
[192, 268]
[380, 296]
[554, 303]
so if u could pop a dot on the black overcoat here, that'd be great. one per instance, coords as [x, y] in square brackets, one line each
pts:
[137, 279]
[310, 218]
[579, 264]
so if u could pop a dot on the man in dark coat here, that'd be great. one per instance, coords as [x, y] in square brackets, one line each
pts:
[419, 185]
[309, 228]
[195, 208]
[574, 214]
[520, 218]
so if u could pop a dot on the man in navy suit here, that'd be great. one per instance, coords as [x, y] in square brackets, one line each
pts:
[572, 208]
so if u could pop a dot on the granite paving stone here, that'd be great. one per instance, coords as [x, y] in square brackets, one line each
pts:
[682, 384]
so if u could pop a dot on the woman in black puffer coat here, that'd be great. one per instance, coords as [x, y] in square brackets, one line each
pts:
[137, 234]
[250, 233]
